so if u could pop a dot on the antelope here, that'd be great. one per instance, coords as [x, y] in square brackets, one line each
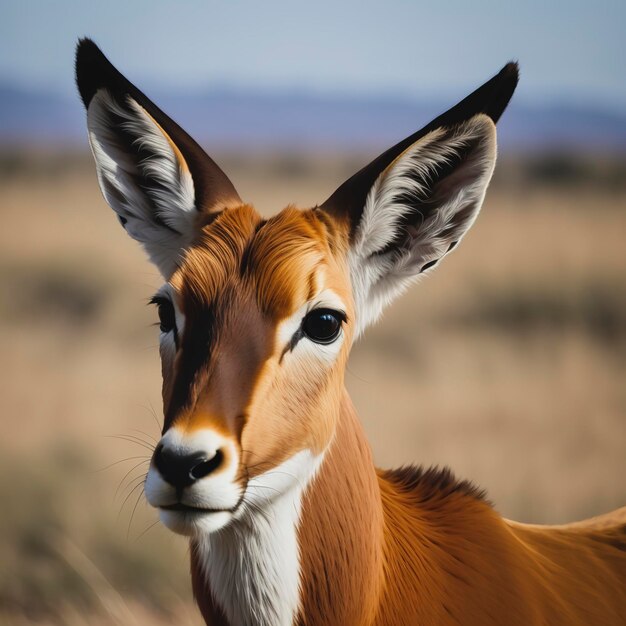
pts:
[262, 462]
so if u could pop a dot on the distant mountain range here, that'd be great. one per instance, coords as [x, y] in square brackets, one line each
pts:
[248, 120]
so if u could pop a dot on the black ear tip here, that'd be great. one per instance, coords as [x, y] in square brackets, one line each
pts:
[92, 68]
[509, 76]
[511, 71]
[496, 93]
[87, 55]
[86, 45]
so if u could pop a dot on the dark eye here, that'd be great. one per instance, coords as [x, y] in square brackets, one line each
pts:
[323, 325]
[167, 315]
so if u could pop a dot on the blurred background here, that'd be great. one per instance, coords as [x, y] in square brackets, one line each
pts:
[509, 364]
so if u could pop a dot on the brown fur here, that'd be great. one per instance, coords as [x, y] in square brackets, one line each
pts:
[341, 533]
[447, 556]
[378, 548]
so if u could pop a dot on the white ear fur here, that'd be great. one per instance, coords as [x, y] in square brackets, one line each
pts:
[143, 177]
[415, 214]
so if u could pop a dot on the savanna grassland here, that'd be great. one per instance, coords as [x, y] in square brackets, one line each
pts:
[507, 364]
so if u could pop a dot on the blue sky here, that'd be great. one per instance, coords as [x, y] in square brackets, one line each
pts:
[568, 50]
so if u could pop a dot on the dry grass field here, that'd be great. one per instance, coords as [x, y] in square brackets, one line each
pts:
[508, 364]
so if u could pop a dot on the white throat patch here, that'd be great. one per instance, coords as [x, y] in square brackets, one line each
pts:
[252, 566]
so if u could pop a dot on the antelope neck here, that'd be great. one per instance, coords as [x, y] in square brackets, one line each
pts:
[341, 532]
[336, 534]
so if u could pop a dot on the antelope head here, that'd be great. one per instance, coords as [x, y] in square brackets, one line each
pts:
[257, 316]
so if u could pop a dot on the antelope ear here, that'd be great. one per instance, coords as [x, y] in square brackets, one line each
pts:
[409, 207]
[157, 179]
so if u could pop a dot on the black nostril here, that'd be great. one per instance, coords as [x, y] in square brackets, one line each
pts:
[205, 467]
[181, 470]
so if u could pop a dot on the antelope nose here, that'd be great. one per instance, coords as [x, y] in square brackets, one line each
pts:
[182, 470]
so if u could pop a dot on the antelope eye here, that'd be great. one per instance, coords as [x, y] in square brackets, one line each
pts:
[167, 315]
[323, 325]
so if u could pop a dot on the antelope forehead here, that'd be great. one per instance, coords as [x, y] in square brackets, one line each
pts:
[286, 277]
[283, 258]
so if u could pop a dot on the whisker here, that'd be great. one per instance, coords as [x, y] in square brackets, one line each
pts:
[132, 439]
[353, 373]
[250, 452]
[259, 464]
[132, 485]
[156, 419]
[132, 515]
[150, 527]
[137, 437]
[253, 507]
[130, 458]
[129, 495]
[125, 476]
[256, 507]
[286, 474]
[150, 437]
[264, 487]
